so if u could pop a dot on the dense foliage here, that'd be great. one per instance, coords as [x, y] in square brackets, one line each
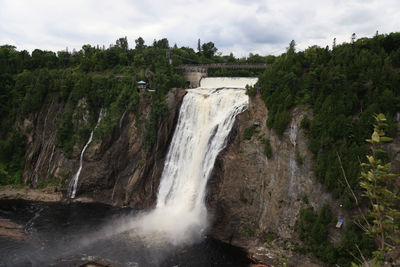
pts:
[82, 83]
[313, 229]
[101, 78]
[344, 86]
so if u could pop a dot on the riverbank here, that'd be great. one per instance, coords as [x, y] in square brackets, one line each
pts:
[48, 194]
[12, 230]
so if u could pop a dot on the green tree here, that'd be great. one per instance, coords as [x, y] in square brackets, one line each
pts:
[198, 46]
[139, 43]
[375, 180]
[161, 44]
[292, 47]
[122, 43]
[209, 49]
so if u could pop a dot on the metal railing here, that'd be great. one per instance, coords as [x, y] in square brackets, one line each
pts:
[205, 67]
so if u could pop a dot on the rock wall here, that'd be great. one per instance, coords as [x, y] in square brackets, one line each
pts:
[116, 170]
[255, 201]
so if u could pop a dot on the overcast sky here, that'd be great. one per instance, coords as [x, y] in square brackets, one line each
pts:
[238, 26]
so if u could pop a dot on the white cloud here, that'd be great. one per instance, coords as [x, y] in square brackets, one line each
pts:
[239, 26]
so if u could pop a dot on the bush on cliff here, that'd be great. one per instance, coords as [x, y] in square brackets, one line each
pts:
[313, 229]
[248, 132]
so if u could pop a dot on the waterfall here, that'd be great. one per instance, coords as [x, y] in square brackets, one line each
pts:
[74, 182]
[205, 120]
[44, 146]
[122, 119]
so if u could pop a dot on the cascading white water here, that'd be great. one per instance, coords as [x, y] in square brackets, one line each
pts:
[74, 182]
[206, 117]
[122, 119]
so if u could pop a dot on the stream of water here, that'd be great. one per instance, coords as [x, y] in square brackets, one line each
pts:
[74, 182]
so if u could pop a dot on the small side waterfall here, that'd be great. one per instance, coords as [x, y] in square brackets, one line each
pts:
[122, 119]
[205, 120]
[44, 147]
[74, 182]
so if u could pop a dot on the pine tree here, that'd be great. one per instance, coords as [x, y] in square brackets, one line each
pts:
[353, 38]
[199, 46]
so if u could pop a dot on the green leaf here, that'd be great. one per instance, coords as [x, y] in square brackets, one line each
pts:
[386, 139]
[381, 117]
[371, 160]
[375, 137]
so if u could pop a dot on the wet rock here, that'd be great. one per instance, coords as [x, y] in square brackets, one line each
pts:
[96, 264]
[12, 230]
[50, 194]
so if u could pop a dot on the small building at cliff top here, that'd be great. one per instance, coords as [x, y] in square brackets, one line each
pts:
[141, 85]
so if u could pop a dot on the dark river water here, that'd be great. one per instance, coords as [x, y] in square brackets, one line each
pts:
[72, 234]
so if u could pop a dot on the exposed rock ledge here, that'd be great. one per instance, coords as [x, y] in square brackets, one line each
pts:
[49, 194]
[12, 230]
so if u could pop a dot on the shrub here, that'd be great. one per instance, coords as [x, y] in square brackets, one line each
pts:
[250, 90]
[305, 124]
[12, 152]
[267, 149]
[159, 111]
[268, 237]
[375, 181]
[299, 159]
[248, 132]
[313, 230]
[65, 134]
[281, 122]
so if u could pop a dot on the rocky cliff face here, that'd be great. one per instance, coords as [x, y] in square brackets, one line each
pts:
[255, 200]
[116, 170]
